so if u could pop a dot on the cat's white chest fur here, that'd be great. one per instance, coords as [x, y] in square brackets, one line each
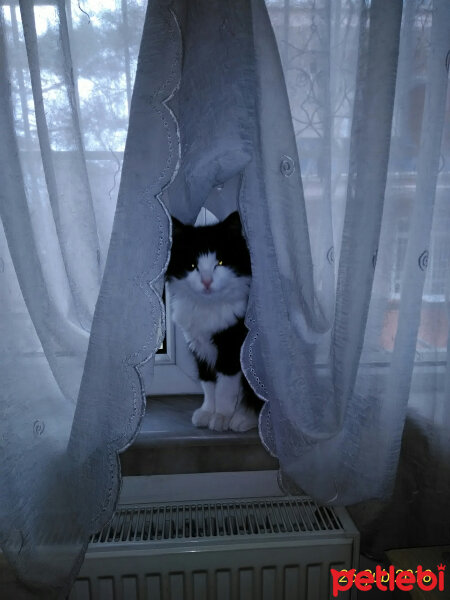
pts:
[200, 317]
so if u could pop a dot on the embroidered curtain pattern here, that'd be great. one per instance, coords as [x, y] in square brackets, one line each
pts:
[334, 143]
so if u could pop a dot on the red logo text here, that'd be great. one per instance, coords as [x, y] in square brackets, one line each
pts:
[388, 579]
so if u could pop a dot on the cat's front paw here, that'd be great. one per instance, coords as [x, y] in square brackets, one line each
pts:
[243, 420]
[201, 417]
[219, 422]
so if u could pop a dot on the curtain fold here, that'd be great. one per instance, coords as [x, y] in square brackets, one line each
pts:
[369, 155]
[41, 292]
[420, 232]
[326, 124]
[77, 236]
[310, 420]
[129, 314]
[57, 488]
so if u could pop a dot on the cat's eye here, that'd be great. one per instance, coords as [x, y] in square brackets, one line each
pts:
[193, 266]
[220, 263]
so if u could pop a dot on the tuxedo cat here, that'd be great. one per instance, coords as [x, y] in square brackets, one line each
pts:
[209, 279]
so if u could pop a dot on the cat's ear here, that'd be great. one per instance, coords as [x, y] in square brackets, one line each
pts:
[177, 227]
[233, 222]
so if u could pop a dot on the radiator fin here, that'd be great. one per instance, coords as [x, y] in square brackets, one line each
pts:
[291, 583]
[200, 585]
[212, 520]
[82, 589]
[130, 587]
[105, 588]
[176, 585]
[223, 585]
[153, 587]
[269, 587]
[314, 578]
[268, 548]
[246, 584]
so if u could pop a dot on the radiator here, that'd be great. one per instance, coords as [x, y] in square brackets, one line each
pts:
[272, 548]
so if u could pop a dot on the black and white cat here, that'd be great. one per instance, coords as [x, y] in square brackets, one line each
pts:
[209, 277]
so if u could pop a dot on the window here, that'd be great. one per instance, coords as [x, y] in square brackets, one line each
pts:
[322, 109]
[111, 29]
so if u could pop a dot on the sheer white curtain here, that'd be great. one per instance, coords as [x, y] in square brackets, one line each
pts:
[67, 72]
[368, 90]
[349, 307]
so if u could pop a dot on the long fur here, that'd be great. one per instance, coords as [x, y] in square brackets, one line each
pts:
[209, 276]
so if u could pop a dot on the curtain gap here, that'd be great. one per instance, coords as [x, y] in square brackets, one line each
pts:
[72, 95]
[31, 44]
[20, 78]
[24, 105]
[126, 50]
[74, 64]
[328, 117]
[405, 79]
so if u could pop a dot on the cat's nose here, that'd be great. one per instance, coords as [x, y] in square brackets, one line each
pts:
[207, 282]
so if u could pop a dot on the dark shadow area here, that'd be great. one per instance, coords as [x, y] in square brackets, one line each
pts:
[417, 513]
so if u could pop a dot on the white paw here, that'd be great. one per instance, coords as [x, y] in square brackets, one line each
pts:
[201, 417]
[244, 420]
[219, 422]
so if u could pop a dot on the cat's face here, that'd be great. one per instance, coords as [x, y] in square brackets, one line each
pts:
[209, 259]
